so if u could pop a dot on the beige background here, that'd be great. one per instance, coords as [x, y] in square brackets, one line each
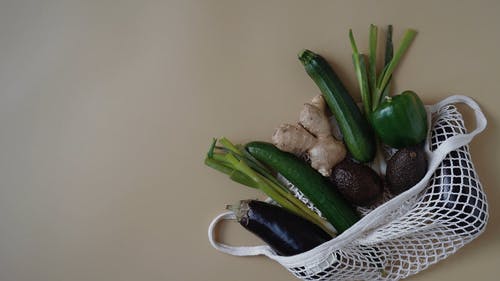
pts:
[107, 109]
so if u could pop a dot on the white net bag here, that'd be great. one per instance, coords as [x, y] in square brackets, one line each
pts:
[411, 231]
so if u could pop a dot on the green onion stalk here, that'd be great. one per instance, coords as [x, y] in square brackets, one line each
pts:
[374, 88]
[241, 167]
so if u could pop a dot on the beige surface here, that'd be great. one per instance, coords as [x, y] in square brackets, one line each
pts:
[107, 109]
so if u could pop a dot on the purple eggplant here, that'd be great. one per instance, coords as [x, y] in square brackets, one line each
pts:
[456, 192]
[286, 233]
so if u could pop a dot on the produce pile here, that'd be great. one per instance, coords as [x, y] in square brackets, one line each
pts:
[333, 171]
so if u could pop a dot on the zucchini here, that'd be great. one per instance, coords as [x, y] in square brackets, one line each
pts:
[357, 133]
[314, 186]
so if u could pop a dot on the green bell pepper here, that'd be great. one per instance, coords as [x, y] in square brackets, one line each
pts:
[401, 120]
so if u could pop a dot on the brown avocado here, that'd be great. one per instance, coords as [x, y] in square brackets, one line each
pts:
[358, 183]
[405, 169]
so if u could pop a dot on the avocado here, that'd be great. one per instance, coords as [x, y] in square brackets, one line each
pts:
[358, 183]
[405, 169]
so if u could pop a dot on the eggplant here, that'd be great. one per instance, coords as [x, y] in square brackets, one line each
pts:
[456, 192]
[285, 232]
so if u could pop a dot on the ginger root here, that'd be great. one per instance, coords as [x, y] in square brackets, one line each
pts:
[312, 137]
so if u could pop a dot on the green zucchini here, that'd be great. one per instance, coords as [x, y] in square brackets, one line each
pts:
[356, 130]
[314, 186]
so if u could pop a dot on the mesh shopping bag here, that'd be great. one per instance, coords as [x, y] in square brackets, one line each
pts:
[411, 231]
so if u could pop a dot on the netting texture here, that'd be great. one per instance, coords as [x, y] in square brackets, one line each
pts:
[407, 233]
[450, 212]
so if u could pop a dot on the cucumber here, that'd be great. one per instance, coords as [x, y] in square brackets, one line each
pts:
[356, 130]
[314, 186]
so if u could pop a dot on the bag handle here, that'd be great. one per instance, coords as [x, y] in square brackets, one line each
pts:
[234, 250]
[459, 140]
[436, 157]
